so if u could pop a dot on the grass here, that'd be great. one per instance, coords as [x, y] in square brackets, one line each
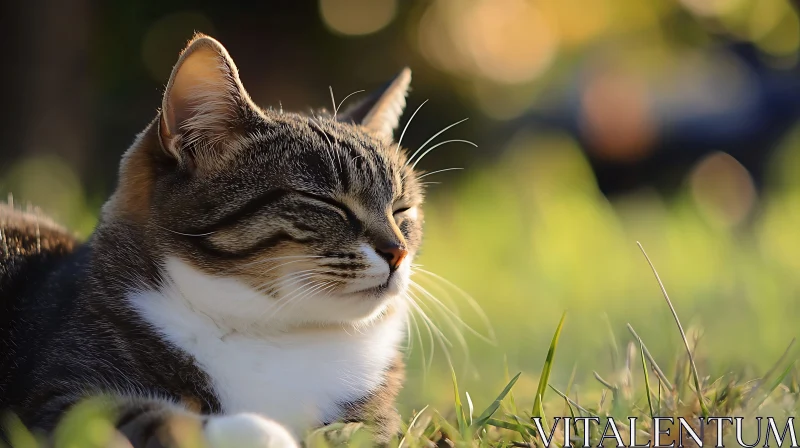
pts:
[689, 395]
[504, 423]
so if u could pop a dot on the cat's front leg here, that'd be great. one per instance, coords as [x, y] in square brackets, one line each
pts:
[246, 430]
[163, 425]
[155, 423]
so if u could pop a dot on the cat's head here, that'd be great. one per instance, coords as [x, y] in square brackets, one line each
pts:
[319, 214]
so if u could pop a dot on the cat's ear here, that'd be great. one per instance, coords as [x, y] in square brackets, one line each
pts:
[204, 100]
[381, 111]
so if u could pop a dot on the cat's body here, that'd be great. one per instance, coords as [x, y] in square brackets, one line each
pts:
[249, 269]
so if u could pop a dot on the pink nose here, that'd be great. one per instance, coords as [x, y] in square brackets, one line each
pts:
[393, 254]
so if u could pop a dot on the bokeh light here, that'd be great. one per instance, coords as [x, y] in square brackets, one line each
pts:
[723, 189]
[357, 17]
[616, 116]
[505, 41]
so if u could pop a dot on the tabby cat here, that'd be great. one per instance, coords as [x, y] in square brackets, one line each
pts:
[246, 277]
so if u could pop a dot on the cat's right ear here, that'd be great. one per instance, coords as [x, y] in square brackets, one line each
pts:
[380, 112]
[203, 103]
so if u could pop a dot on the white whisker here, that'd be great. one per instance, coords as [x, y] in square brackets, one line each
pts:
[470, 301]
[402, 134]
[309, 291]
[432, 329]
[333, 102]
[431, 139]
[452, 314]
[414, 165]
[425, 362]
[184, 234]
[337, 108]
[296, 259]
[438, 171]
[449, 321]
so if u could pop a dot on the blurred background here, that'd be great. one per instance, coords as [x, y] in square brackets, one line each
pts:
[599, 123]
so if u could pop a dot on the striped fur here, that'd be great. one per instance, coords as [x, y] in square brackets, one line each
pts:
[245, 279]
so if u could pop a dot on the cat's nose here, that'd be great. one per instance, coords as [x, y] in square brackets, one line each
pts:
[393, 253]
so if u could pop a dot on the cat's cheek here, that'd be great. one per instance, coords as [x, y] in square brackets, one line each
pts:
[247, 430]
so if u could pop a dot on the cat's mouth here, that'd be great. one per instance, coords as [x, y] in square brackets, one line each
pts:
[390, 287]
[375, 290]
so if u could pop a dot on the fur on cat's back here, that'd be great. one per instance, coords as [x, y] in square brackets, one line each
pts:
[31, 245]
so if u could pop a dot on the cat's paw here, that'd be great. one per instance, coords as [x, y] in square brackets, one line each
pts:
[247, 430]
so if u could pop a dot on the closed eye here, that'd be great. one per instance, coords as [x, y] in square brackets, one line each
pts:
[341, 208]
[401, 210]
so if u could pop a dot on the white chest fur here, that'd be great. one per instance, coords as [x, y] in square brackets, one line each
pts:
[296, 378]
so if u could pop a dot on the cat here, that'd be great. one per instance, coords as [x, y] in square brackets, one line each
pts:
[246, 277]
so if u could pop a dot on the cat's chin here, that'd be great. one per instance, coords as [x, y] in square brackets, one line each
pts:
[357, 307]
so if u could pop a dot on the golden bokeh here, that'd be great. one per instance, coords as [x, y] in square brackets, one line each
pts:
[723, 189]
[503, 41]
[357, 17]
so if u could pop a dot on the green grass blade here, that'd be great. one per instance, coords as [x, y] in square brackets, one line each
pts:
[695, 376]
[573, 403]
[546, 368]
[775, 384]
[772, 370]
[489, 412]
[656, 367]
[646, 382]
[540, 408]
[510, 393]
[502, 424]
[460, 418]
[446, 427]
[411, 426]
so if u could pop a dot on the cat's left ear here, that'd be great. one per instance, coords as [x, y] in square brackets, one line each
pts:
[204, 103]
[381, 111]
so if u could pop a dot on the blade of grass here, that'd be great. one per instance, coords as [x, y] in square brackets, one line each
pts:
[603, 381]
[775, 384]
[446, 427]
[411, 426]
[566, 392]
[540, 413]
[646, 382]
[659, 372]
[470, 407]
[771, 370]
[660, 385]
[614, 346]
[548, 365]
[502, 424]
[489, 412]
[572, 402]
[460, 418]
[695, 377]
[511, 400]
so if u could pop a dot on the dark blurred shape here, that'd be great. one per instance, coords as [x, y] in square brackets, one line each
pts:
[635, 136]
[46, 86]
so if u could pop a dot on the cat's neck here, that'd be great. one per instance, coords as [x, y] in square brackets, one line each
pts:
[234, 308]
[299, 376]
